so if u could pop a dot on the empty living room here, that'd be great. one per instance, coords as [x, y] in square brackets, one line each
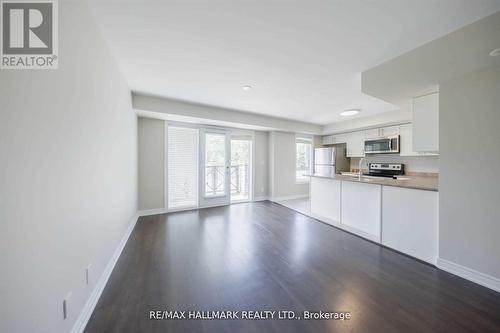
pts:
[249, 166]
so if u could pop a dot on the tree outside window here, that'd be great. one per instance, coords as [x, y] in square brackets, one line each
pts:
[303, 158]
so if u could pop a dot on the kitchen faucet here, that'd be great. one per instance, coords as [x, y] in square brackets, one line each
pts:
[360, 172]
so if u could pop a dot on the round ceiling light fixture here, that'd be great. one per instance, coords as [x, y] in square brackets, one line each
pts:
[246, 88]
[495, 52]
[350, 112]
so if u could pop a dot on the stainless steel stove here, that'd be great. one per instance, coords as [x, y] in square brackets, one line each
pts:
[389, 170]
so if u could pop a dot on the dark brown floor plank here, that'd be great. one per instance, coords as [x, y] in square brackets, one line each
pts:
[263, 256]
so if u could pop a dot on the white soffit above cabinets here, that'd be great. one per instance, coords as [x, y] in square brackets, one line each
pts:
[303, 59]
[421, 70]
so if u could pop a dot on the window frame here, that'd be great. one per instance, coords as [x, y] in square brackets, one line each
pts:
[303, 139]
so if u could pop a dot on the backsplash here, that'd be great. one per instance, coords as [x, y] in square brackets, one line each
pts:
[412, 163]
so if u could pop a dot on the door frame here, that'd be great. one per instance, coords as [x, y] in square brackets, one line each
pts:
[201, 128]
[218, 200]
[251, 169]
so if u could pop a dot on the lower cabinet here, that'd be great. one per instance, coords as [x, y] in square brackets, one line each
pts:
[361, 209]
[404, 219]
[410, 222]
[325, 199]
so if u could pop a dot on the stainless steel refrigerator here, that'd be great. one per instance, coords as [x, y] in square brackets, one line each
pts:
[330, 161]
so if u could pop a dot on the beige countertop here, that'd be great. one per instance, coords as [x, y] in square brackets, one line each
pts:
[428, 183]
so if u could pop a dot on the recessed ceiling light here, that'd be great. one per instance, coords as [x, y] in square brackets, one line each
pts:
[246, 88]
[495, 52]
[350, 112]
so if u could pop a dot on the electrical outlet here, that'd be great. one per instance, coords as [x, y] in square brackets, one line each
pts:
[87, 274]
[66, 305]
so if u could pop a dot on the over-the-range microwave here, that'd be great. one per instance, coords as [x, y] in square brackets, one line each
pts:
[382, 145]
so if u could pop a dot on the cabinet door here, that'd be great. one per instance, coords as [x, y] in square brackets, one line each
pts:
[410, 222]
[389, 131]
[355, 144]
[406, 140]
[426, 123]
[328, 140]
[340, 138]
[361, 209]
[325, 199]
[372, 133]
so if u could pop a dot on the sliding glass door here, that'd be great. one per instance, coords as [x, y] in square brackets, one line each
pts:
[207, 167]
[214, 167]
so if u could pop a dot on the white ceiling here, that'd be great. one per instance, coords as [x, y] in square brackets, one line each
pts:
[303, 58]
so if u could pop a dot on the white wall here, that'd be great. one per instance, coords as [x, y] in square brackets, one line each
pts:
[427, 164]
[182, 111]
[282, 167]
[419, 71]
[151, 134]
[68, 175]
[261, 164]
[151, 143]
[469, 186]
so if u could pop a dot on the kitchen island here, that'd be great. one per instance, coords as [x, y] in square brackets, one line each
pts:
[399, 213]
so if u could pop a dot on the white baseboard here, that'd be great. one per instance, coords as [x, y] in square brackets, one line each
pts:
[289, 197]
[261, 198]
[155, 211]
[88, 308]
[470, 274]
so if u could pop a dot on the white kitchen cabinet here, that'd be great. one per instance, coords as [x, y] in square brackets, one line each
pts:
[340, 138]
[389, 131]
[325, 199]
[361, 206]
[334, 139]
[426, 123]
[406, 141]
[410, 222]
[372, 133]
[328, 140]
[382, 131]
[355, 144]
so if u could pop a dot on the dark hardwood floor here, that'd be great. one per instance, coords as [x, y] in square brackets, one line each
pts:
[263, 256]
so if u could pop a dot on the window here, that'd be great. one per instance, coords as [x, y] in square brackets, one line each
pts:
[182, 169]
[303, 159]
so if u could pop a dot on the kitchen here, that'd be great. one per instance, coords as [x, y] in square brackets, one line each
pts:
[330, 162]
[388, 202]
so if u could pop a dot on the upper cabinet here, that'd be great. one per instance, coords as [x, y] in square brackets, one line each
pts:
[426, 123]
[372, 133]
[406, 141]
[355, 141]
[334, 139]
[328, 140]
[355, 144]
[389, 131]
[382, 131]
